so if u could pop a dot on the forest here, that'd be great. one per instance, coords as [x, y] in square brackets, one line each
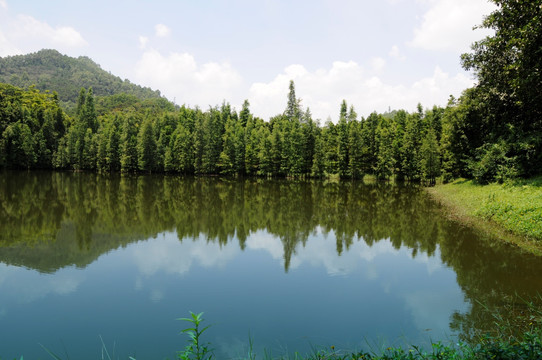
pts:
[490, 133]
[48, 69]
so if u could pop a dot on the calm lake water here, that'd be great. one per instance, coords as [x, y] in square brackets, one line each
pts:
[294, 265]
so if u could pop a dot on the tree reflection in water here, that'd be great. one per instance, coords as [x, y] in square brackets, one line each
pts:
[53, 220]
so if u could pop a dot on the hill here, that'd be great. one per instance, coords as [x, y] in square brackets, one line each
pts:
[50, 70]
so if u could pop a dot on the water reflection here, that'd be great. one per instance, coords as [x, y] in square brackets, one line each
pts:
[53, 222]
[70, 218]
[35, 286]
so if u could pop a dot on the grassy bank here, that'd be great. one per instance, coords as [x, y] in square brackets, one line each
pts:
[512, 211]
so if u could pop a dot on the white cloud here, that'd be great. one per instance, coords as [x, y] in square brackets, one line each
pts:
[396, 53]
[323, 90]
[31, 28]
[262, 240]
[161, 30]
[7, 48]
[180, 77]
[143, 41]
[448, 25]
[24, 33]
[432, 263]
[19, 285]
[378, 63]
[427, 307]
[320, 251]
[170, 256]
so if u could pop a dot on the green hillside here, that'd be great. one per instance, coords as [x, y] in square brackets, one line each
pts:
[50, 70]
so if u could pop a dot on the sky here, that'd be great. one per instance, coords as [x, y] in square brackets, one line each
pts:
[376, 55]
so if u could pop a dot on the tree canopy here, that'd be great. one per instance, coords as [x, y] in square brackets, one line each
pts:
[506, 103]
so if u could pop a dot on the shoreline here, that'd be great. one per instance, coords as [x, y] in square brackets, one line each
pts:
[508, 212]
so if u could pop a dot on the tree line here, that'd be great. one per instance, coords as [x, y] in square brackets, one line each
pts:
[491, 133]
[421, 145]
[36, 133]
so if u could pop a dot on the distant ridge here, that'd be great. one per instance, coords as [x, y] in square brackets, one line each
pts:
[50, 70]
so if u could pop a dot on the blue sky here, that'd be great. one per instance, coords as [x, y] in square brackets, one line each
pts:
[373, 54]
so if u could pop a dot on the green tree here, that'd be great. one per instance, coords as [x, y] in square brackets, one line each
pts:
[384, 139]
[146, 146]
[430, 159]
[88, 112]
[128, 144]
[464, 129]
[369, 153]
[318, 161]
[19, 146]
[180, 153]
[244, 114]
[293, 150]
[411, 146]
[113, 155]
[265, 155]
[163, 128]
[507, 65]
[81, 102]
[213, 135]
[399, 122]
[343, 144]
[310, 131]
[252, 145]
[355, 148]
[331, 143]
[278, 163]
[200, 140]
[228, 156]
[293, 110]
[101, 156]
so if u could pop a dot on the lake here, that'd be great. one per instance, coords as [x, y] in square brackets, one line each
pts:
[292, 265]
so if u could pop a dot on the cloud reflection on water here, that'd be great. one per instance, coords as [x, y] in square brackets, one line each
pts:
[19, 285]
[380, 262]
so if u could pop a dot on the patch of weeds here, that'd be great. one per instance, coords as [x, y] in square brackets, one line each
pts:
[195, 350]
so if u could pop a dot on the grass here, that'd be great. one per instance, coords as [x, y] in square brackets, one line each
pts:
[528, 346]
[512, 211]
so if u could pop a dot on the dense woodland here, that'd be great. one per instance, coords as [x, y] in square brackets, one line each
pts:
[492, 132]
[50, 70]
[156, 138]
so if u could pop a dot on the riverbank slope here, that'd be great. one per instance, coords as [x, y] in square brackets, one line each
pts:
[511, 211]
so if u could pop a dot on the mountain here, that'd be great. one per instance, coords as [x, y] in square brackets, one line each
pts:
[50, 70]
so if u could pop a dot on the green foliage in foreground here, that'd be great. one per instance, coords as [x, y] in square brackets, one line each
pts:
[195, 349]
[515, 205]
[526, 346]
[501, 346]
